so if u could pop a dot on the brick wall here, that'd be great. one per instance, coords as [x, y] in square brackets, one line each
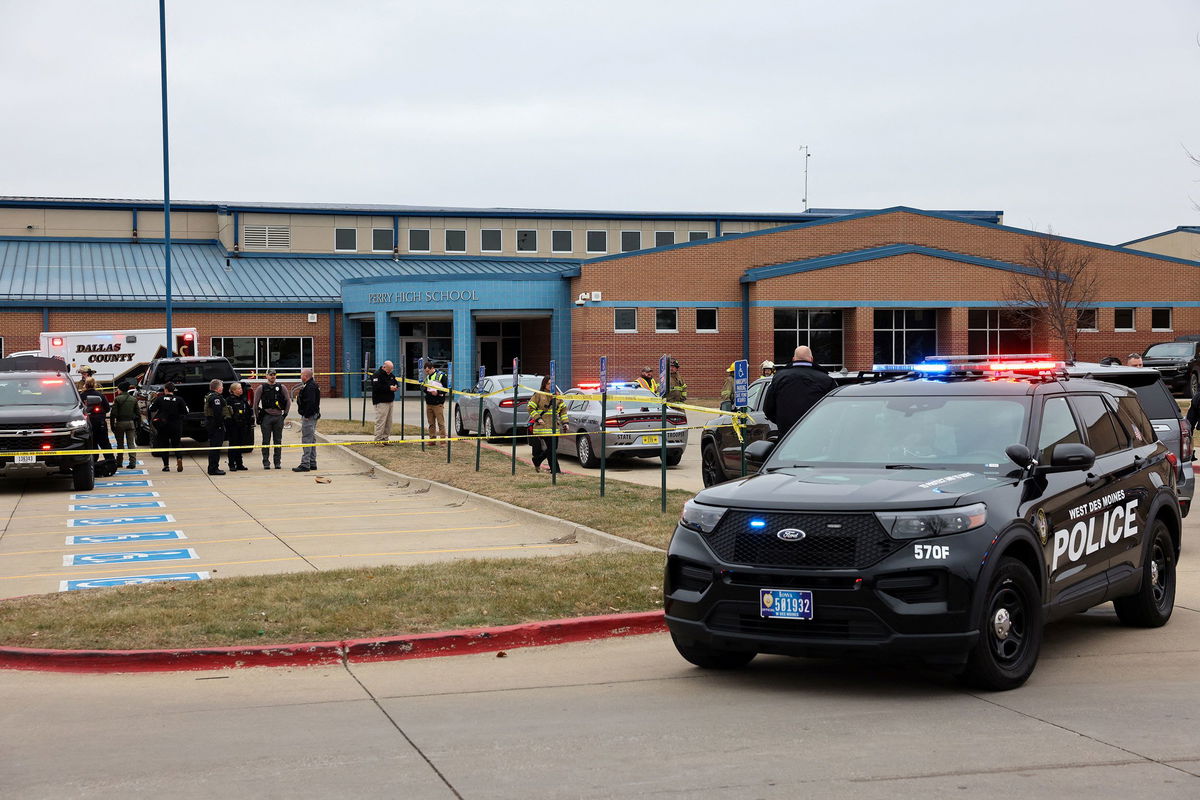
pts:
[20, 329]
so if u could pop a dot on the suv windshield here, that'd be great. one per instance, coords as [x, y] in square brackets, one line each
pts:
[929, 432]
[1170, 350]
[194, 372]
[37, 391]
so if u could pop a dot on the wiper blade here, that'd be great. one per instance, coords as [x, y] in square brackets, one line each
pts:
[788, 466]
[904, 466]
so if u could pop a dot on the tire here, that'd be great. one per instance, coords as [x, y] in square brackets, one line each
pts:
[1010, 630]
[674, 457]
[587, 456]
[711, 471]
[459, 428]
[707, 657]
[1151, 605]
[84, 476]
[1194, 384]
[489, 429]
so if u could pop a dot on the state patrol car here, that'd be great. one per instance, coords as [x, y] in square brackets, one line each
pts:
[942, 516]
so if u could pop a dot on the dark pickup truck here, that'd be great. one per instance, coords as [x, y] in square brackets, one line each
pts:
[191, 377]
[42, 421]
[1178, 362]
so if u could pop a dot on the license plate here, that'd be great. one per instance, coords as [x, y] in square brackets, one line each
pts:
[785, 603]
[25, 459]
[651, 440]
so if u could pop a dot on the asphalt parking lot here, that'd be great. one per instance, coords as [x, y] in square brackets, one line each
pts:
[145, 525]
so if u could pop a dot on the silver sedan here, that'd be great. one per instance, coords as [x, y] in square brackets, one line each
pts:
[499, 410]
[633, 427]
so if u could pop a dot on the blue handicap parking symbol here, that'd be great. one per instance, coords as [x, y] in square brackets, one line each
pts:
[140, 519]
[97, 583]
[131, 557]
[132, 472]
[111, 495]
[116, 506]
[120, 538]
[121, 484]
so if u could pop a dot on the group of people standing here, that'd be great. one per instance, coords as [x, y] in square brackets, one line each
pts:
[434, 385]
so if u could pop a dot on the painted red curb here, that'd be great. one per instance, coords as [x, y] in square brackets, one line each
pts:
[315, 654]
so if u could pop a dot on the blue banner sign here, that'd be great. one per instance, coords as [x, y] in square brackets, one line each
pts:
[662, 375]
[603, 373]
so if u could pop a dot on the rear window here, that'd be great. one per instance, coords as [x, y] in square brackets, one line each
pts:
[194, 372]
[1157, 401]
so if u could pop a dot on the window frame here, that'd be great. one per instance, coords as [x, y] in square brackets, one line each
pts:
[554, 248]
[675, 312]
[391, 235]
[1095, 327]
[446, 239]
[428, 240]
[625, 249]
[483, 231]
[262, 352]
[698, 236]
[587, 243]
[337, 249]
[808, 331]
[1132, 319]
[534, 233]
[616, 312]
[903, 330]
[716, 328]
[664, 233]
[1170, 318]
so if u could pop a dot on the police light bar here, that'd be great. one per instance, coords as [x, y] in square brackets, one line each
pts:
[926, 368]
[1025, 366]
[52, 381]
[587, 387]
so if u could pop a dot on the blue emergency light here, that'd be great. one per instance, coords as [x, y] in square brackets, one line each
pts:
[927, 368]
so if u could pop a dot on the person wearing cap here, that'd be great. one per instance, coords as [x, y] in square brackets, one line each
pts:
[124, 420]
[727, 390]
[768, 369]
[647, 380]
[434, 386]
[676, 387]
[270, 409]
[85, 372]
[1133, 360]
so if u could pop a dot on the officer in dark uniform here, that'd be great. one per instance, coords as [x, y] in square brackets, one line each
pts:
[239, 427]
[97, 406]
[271, 407]
[167, 411]
[216, 411]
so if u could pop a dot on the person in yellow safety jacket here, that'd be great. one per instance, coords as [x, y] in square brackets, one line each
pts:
[676, 387]
[542, 408]
[727, 390]
[647, 380]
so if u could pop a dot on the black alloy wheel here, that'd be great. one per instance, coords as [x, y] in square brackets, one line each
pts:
[711, 472]
[1194, 384]
[1151, 605]
[1010, 630]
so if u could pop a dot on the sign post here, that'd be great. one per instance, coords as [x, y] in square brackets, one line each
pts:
[553, 427]
[365, 384]
[421, 390]
[449, 406]
[512, 433]
[741, 388]
[603, 420]
[403, 389]
[663, 375]
[479, 419]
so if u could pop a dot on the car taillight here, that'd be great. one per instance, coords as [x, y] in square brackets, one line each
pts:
[1185, 440]
[674, 420]
[506, 402]
[614, 422]
[47, 446]
[1173, 460]
[97, 410]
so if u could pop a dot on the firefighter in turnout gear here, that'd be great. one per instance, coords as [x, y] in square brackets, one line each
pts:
[676, 386]
[543, 406]
[216, 411]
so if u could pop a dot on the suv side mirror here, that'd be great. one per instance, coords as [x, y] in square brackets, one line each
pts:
[1019, 454]
[757, 452]
[1069, 457]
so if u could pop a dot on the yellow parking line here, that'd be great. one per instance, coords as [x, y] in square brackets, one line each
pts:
[192, 565]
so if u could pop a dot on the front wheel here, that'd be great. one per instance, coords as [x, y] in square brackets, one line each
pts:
[711, 472]
[84, 476]
[459, 428]
[1010, 631]
[1151, 605]
[710, 657]
[1194, 384]
[587, 456]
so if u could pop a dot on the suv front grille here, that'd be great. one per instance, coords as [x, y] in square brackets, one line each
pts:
[13, 444]
[831, 541]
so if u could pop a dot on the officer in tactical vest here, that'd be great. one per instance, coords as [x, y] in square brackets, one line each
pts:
[216, 411]
[239, 427]
[271, 407]
[97, 406]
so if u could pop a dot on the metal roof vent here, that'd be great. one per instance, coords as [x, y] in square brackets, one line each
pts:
[267, 237]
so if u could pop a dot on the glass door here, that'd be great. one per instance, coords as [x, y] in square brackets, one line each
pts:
[414, 351]
[487, 353]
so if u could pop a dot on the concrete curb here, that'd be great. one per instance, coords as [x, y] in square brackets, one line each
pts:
[351, 651]
[592, 535]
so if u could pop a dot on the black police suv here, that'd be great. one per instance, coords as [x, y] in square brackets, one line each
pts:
[938, 519]
[42, 423]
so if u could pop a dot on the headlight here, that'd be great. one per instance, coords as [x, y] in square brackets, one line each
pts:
[77, 423]
[920, 524]
[700, 517]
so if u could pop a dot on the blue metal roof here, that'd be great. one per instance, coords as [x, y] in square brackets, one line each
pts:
[108, 271]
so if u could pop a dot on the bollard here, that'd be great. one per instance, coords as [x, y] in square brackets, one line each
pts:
[479, 434]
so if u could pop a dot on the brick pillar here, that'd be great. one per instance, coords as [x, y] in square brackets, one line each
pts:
[858, 337]
[952, 332]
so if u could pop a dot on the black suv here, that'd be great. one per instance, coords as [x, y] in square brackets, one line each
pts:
[939, 519]
[1179, 363]
[42, 421]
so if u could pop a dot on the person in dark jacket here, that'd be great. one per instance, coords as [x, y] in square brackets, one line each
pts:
[239, 427]
[795, 389]
[308, 405]
[166, 417]
[383, 396]
[216, 411]
[124, 421]
[271, 407]
[1193, 414]
[97, 406]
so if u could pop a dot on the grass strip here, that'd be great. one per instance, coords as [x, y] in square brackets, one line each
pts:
[339, 604]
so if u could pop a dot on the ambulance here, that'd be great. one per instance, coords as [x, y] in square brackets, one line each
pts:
[116, 356]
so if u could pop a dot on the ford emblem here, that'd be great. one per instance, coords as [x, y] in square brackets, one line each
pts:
[790, 534]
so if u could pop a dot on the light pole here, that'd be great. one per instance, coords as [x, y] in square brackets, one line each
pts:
[162, 48]
[807, 155]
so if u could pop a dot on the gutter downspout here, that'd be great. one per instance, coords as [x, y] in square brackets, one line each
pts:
[396, 236]
[135, 235]
[236, 230]
[717, 228]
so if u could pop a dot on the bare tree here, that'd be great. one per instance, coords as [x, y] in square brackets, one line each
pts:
[1057, 283]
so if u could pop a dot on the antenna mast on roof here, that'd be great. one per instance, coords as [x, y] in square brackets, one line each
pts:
[807, 155]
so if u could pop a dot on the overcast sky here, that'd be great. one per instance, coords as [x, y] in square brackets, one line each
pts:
[1074, 115]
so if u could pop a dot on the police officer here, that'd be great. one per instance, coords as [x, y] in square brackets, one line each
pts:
[124, 421]
[216, 411]
[167, 411]
[435, 399]
[97, 406]
[676, 386]
[271, 408]
[239, 427]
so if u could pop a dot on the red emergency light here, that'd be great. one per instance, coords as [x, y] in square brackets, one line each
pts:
[187, 337]
[52, 381]
[56, 341]
[1024, 366]
[46, 446]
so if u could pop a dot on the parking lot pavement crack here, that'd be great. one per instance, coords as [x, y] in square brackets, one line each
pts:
[1066, 729]
[259, 523]
[12, 512]
[400, 730]
[962, 773]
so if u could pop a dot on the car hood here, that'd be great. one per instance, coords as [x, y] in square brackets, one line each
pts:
[1165, 362]
[38, 415]
[832, 489]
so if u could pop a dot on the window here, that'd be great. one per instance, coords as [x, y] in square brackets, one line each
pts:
[1058, 427]
[560, 241]
[695, 236]
[381, 240]
[267, 237]
[664, 238]
[630, 241]
[905, 336]
[992, 332]
[1160, 319]
[491, 240]
[1098, 422]
[597, 241]
[257, 353]
[820, 329]
[345, 239]
[456, 241]
[706, 320]
[1085, 319]
[625, 320]
[754, 396]
[1, 347]
[1130, 412]
[666, 320]
[527, 241]
[418, 240]
[1123, 319]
